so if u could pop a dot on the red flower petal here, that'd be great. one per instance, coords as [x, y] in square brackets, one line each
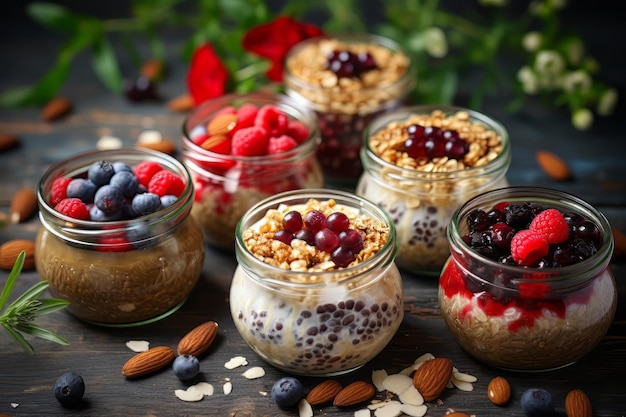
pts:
[207, 75]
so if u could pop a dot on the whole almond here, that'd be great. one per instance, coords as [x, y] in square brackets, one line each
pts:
[198, 339]
[56, 108]
[152, 69]
[457, 414]
[553, 165]
[180, 104]
[10, 250]
[147, 362]
[499, 390]
[23, 205]
[432, 377]
[222, 124]
[164, 145]
[324, 392]
[355, 393]
[8, 142]
[577, 404]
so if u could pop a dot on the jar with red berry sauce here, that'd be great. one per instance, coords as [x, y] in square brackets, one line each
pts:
[313, 310]
[125, 269]
[242, 148]
[347, 79]
[528, 285]
[420, 164]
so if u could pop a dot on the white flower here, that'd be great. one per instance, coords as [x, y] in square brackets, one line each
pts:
[532, 41]
[549, 62]
[582, 119]
[578, 80]
[528, 79]
[607, 102]
[436, 42]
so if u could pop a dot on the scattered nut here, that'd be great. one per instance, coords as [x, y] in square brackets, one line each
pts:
[254, 373]
[198, 340]
[432, 377]
[236, 362]
[138, 345]
[56, 108]
[553, 165]
[499, 390]
[8, 142]
[577, 404]
[109, 142]
[355, 393]
[147, 362]
[10, 250]
[180, 104]
[23, 205]
[152, 69]
[324, 392]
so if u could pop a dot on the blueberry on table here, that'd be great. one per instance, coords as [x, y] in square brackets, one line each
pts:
[69, 389]
[287, 391]
[186, 367]
[537, 402]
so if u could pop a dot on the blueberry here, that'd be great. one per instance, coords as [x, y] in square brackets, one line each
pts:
[83, 189]
[97, 215]
[146, 203]
[168, 200]
[119, 166]
[537, 402]
[125, 181]
[100, 172]
[287, 391]
[109, 199]
[69, 389]
[186, 366]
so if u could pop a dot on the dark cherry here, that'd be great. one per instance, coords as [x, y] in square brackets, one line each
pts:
[434, 142]
[140, 89]
[346, 64]
[293, 221]
[284, 236]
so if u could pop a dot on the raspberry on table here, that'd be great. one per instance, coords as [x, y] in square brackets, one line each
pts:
[74, 208]
[281, 144]
[528, 247]
[144, 171]
[552, 225]
[59, 190]
[166, 182]
[250, 141]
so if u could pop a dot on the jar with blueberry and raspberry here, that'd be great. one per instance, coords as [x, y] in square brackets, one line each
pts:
[528, 285]
[117, 238]
[242, 148]
[347, 79]
[420, 164]
[316, 290]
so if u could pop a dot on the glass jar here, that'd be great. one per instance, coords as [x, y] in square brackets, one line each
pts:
[421, 194]
[345, 105]
[125, 272]
[227, 185]
[527, 318]
[317, 322]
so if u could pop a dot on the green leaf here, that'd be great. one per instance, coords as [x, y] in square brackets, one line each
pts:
[105, 65]
[50, 305]
[19, 339]
[30, 294]
[56, 17]
[37, 331]
[12, 279]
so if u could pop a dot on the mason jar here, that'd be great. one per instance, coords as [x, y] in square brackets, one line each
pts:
[226, 185]
[421, 192]
[537, 317]
[123, 272]
[297, 309]
[377, 77]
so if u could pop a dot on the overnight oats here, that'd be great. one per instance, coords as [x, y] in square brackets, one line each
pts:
[316, 291]
[117, 239]
[347, 80]
[243, 148]
[528, 286]
[420, 164]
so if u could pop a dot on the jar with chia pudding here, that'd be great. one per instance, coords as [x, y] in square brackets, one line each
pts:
[347, 79]
[117, 239]
[420, 164]
[316, 291]
[528, 285]
[242, 148]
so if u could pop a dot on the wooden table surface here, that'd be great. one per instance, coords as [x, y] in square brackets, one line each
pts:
[596, 158]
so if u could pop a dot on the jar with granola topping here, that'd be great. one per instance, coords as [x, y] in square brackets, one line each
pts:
[420, 164]
[242, 148]
[528, 310]
[118, 271]
[347, 80]
[291, 302]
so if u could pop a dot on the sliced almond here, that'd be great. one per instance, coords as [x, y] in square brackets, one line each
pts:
[227, 388]
[411, 396]
[378, 376]
[391, 409]
[414, 410]
[236, 362]
[397, 383]
[254, 373]
[304, 409]
[191, 394]
[138, 345]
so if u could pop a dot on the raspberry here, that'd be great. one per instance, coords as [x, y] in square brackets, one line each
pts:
[200, 138]
[298, 131]
[73, 207]
[552, 225]
[59, 190]
[272, 119]
[144, 171]
[166, 182]
[281, 144]
[250, 141]
[226, 110]
[246, 114]
[528, 247]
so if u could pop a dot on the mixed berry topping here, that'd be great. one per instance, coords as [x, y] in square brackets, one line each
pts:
[330, 234]
[434, 142]
[115, 191]
[349, 64]
[530, 235]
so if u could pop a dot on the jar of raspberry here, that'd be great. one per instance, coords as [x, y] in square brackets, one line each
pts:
[528, 285]
[347, 80]
[117, 239]
[316, 290]
[242, 148]
[420, 164]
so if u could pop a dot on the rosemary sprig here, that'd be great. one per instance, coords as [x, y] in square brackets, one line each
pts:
[18, 317]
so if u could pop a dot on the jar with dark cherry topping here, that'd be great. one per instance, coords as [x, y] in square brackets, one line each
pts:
[297, 309]
[124, 272]
[528, 318]
[347, 79]
[420, 164]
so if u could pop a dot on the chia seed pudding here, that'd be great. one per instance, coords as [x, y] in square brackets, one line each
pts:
[296, 308]
[420, 164]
